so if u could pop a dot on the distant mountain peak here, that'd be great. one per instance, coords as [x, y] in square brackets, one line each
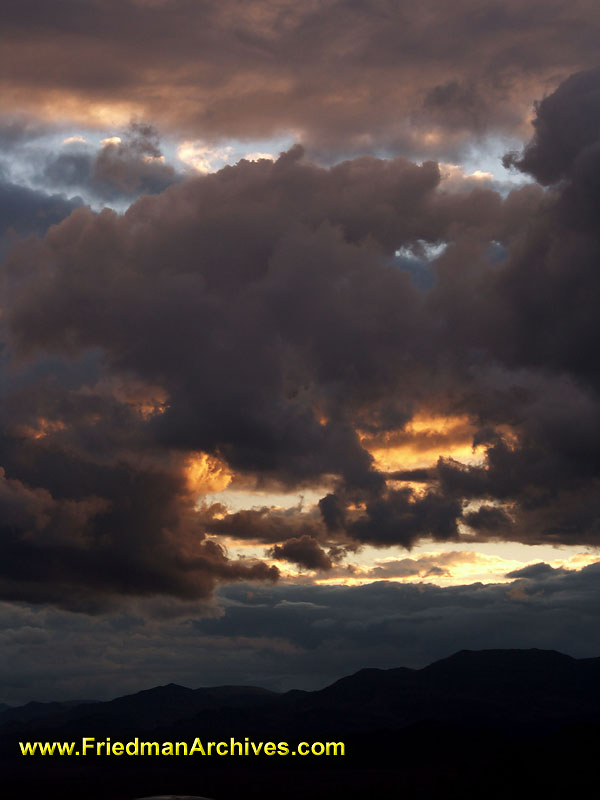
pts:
[504, 655]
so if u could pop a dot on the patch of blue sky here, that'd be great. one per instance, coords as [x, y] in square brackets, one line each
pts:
[486, 156]
[417, 260]
[24, 163]
[207, 156]
[496, 253]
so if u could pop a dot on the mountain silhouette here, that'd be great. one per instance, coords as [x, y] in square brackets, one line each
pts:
[490, 707]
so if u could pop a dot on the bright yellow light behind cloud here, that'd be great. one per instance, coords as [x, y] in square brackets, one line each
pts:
[423, 441]
[201, 157]
[454, 568]
[206, 473]
[110, 140]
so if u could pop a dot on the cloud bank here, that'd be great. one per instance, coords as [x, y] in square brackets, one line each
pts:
[344, 76]
[287, 637]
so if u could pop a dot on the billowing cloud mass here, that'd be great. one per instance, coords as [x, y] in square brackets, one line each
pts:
[122, 169]
[344, 76]
[301, 366]
[262, 322]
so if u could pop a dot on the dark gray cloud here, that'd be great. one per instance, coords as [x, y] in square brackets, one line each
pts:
[24, 211]
[124, 539]
[289, 636]
[17, 130]
[348, 76]
[566, 130]
[304, 551]
[487, 518]
[539, 571]
[411, 625]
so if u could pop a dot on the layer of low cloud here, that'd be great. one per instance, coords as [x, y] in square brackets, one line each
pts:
[346, 77]
[289, 636]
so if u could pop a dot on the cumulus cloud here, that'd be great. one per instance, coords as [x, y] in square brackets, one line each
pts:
[566, 130]
[267, 307]
[121, 170]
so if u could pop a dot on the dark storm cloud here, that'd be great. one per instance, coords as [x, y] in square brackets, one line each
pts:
[77, 552]
[289, 636]
[349, 76]
[304, 551]
[398, 517]
[567, 130]
[263, 305]
[487, 518]
[265, 525]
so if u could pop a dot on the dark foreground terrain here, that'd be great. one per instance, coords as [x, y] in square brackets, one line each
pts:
[489, 724]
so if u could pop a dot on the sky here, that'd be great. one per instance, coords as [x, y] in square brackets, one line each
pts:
[298, 338]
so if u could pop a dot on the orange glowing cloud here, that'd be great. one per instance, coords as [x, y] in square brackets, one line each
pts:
[206, 474]
[423, 441]
[450, 568]
[42, 428]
